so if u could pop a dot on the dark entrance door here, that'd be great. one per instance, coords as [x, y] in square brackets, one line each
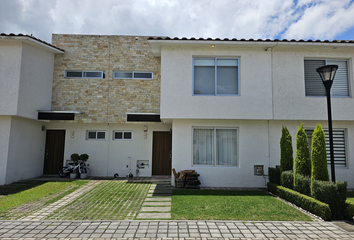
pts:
[161, 153]
[54, 151]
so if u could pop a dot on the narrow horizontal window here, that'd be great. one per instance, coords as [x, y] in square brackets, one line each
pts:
[84, 74]
[95, 135]
[132, 75]
[122, 135]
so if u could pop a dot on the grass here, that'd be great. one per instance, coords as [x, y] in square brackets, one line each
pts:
[110, 200]
[231, 205]
[22, 203]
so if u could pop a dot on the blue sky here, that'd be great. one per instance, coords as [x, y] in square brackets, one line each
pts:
[274, 19]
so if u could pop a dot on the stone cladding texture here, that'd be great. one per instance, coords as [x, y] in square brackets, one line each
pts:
[106, 100]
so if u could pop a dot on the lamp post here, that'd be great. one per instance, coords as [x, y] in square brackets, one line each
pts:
[327, 74]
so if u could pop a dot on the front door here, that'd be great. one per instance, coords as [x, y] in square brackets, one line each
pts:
[161, 153]
[54, 151]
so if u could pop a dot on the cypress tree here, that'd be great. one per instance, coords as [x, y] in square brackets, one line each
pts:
[302, 159]
[319, 169]
[286, 151]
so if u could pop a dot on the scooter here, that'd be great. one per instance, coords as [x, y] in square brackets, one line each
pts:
[130, 174]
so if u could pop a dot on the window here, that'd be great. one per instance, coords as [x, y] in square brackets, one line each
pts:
[132, 75]
[122, 135]
[313, 82]
[84, 74]
[95, 135]
[215, 76]
[338, 146]
[215, 146]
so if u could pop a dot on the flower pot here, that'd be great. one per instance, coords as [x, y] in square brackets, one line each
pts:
[72, 175]
[83, 175]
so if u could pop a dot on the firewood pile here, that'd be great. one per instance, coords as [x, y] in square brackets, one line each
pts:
[187, 178]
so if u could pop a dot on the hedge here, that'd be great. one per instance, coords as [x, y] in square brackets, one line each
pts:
[274, 175]
[303, 184]
[349, 210]
[287, 179]
[286, 151]
[305, 202]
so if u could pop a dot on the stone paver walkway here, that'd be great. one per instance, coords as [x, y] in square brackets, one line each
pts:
[44, 212]
[188, 230]
[157, 204]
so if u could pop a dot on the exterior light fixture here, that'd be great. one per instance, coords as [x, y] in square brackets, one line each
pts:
[327, 74]
[212, 45]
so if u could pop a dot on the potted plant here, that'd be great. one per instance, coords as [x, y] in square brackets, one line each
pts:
[74, 158]
[83, 157]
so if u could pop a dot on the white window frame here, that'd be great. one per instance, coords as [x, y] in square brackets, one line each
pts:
[216, 72]
[83, 73]
[133, 75]
[214, 144]
[320, 82]
[307, 130]
[96, 139]
[123, 139]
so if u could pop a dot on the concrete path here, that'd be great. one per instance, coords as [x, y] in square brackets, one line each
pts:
[157, 204]
[172, 230]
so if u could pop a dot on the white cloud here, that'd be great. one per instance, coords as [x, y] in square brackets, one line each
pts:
[189, 18]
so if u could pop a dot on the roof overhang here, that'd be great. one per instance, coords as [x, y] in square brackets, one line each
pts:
[143, 117]
[57, 115]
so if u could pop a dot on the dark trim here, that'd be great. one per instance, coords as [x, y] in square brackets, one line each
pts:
[143, 118]
[55, 116]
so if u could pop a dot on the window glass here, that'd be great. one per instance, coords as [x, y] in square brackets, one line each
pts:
[227, 76]
[123, 74]
[142, 75]
[203, 147]
[101, 135]
[127, 135]
[204, 76]
[73, 74]
[226, 147]
[92, 135]
[118, 135]
[93, 74]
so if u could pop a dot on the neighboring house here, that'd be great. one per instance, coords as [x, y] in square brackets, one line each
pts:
[215, 106]
[26, 76]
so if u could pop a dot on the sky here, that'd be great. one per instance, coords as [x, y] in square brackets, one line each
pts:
[273, 19]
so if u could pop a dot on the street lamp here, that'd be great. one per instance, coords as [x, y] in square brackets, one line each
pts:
[327, 74]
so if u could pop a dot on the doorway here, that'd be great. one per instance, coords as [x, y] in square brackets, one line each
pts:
[161, 153]
[54, 151]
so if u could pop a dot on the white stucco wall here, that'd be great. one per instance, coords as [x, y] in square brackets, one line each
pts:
[289, 98]
[108, 157]
[10, 69]
[5, 125]
[258, 144]
[26, 150]
[177, 101]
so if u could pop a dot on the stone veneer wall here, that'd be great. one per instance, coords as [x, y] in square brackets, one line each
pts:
[105, 100]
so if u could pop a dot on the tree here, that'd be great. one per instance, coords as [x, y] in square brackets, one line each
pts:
[286, 151]
[302, 159]
[319, 169]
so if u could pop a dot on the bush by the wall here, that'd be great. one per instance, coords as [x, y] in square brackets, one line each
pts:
[319, 169]
[334, 194]
[303, 184]
[302, 159]
[274, 175]
[349, 210]
[305, 202]
[286, 151]
[287, 179]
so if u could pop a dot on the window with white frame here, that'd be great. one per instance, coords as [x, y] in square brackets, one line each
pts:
[313, 82]
[215, 146]
[132, 75]
[122, 135]
[338, 146]
[95, 135]
[215, 76]
[84, 74]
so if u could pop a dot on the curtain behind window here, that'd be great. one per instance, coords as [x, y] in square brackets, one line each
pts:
[226, 147]
[203, 146]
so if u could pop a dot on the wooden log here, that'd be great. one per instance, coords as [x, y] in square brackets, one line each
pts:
[174, 173]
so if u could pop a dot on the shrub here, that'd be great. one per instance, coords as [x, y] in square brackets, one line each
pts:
[84, 157]
[349, 210]
[286, 151]
[334, 194]
[319, 169]
[305, 202]
[74, 157]
[303, 184]
[287, 179]
[302, 159]
[274, 175]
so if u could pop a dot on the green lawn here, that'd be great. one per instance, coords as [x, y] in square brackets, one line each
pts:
[22, 203]
[231, 205]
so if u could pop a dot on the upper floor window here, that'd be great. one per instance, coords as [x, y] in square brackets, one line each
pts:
[216, 76]
[339, 146]
[95, 135]
[122, 135]
[313, 82]
[132, 75]
[84, 74]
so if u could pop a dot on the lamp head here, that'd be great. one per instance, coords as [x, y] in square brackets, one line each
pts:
[327, 74]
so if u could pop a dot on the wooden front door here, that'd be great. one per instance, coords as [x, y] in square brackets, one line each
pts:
[161, 153]
[54, 151]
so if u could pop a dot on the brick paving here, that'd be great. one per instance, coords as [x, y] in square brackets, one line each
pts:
[163, 229]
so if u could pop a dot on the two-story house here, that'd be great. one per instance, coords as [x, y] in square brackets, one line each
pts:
[216, 106]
